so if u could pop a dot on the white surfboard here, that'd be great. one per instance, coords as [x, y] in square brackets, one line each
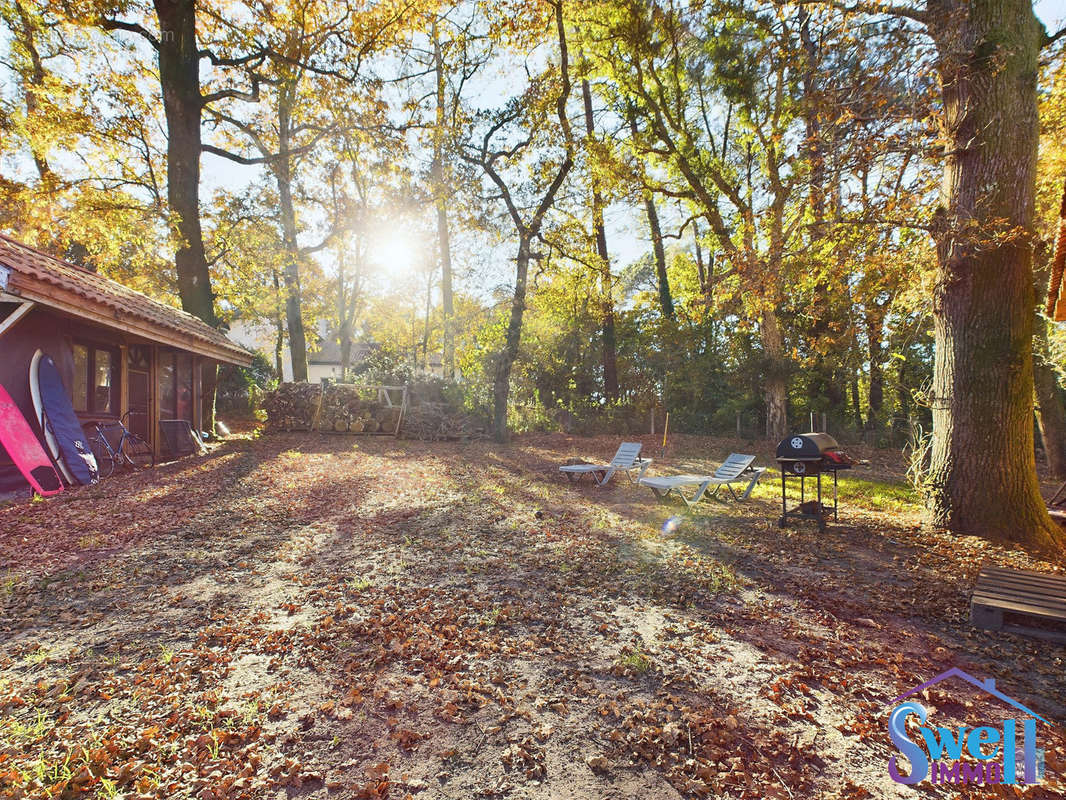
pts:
[42, 418]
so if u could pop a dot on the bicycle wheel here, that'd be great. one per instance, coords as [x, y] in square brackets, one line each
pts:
[105, 459]
[137, 452]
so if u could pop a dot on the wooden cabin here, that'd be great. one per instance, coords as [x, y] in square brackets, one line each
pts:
[119, 351]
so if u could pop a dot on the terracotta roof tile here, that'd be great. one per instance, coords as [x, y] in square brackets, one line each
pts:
[44, 277]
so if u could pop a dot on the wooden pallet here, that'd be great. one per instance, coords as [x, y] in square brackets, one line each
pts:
[1021, 593]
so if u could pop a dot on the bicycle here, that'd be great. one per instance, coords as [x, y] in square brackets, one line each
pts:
[130, 450]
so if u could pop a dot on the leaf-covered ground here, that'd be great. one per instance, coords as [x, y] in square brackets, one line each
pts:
[322, 616]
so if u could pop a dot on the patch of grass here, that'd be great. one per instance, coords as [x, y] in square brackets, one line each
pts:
[27, 732]
[166, 654]
[203, 712]
[633, 658]
[360, 584]
[43, 772]
[214, 745]
[879, 495]
[722, 578]
[250, 711]
[491, 618]
[38, 656]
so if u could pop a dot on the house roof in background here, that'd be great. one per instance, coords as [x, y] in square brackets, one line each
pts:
[329, 351]
[80, 293]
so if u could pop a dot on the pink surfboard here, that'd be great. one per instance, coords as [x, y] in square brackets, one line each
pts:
[25, 450]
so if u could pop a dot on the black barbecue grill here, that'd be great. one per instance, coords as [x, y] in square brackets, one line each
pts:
[809, 455]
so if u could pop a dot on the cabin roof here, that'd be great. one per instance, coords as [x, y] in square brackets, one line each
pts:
[78, 292]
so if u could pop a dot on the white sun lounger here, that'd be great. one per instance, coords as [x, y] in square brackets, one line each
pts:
[736, 468]
[625, 460]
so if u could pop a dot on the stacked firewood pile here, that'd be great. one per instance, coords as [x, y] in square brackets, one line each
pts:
[347, 408]
[293, 406]
[438, 421]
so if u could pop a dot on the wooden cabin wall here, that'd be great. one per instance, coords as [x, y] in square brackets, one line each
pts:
[55, 335]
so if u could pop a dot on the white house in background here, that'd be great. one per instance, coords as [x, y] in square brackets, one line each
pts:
[324, 352]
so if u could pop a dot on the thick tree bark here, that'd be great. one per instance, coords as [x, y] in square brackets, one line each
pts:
[982, 478]
[610, 360]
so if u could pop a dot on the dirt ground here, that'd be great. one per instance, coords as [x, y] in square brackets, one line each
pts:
[315, 616]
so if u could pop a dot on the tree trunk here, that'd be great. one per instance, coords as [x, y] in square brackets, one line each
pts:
[812, 121]
[444, 248]
[1050, 413]
[982, 478]
[704, 271]
[293, 299]
[775, 391]
[440, 200]
[666, 300]
[33, 81]
[346, 351]
[1049, 409]
[279, 349]
[855, 404]
[875, 317]
[425, 323]
[501, 387]
[610, 360]
[179, 79]
[1058, 265]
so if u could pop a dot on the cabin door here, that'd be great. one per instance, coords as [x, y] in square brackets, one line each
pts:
[140, 395]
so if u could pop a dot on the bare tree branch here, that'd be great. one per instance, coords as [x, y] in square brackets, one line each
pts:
[130, 27]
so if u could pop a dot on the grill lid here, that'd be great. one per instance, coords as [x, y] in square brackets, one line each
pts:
[806, 446]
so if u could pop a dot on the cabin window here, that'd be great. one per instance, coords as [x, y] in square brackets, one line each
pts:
[140, 358]
[95, 388]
